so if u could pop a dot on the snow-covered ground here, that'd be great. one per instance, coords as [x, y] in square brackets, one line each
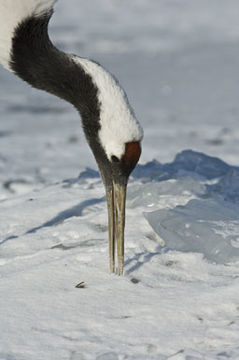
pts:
[179, 297]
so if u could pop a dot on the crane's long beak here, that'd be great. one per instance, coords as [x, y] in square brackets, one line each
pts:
[116, 196]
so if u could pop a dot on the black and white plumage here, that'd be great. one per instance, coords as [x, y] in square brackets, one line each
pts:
[109, 123]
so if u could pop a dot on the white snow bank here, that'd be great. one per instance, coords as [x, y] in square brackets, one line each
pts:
[166, 304]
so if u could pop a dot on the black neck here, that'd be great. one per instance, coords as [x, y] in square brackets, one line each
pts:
[35, 60]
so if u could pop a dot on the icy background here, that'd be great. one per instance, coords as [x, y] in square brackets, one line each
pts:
[178, 300]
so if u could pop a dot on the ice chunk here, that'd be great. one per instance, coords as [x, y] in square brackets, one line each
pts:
[208, 226]
[228, 186]
[152, 170]
[207, 166]
[188, 161]
[150, 194]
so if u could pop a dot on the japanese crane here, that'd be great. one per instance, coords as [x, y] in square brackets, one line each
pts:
[110, 126]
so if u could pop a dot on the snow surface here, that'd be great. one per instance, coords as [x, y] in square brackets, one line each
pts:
[178, 300]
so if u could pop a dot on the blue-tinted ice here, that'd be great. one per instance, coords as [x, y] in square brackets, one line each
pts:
[208, 224]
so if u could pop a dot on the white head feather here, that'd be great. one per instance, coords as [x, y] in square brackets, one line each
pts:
[118, 123]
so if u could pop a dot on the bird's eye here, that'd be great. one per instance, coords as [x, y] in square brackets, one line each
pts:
[114, 159]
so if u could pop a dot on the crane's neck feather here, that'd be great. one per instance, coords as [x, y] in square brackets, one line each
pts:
[25, 49]
[12, 13]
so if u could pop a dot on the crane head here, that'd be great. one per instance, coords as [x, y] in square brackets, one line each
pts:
[114, 135]
[109, 123]
[115, 173]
